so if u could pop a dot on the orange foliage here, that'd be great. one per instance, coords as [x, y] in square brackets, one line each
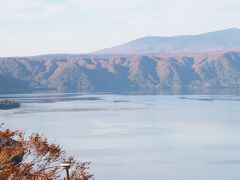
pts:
[34, 158]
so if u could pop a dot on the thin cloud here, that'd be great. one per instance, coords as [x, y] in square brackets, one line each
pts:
[27, 10]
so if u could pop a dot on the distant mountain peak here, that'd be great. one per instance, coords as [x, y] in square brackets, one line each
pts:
[226, 39]
[231, 29]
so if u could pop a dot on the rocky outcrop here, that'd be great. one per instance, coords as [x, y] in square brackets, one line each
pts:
[8, 104]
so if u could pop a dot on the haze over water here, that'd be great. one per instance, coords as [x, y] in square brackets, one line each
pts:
[177, 137]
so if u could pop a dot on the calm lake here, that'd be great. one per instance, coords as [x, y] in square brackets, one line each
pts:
[139, 137]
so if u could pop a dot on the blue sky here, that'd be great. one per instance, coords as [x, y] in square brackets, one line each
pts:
[31, 27]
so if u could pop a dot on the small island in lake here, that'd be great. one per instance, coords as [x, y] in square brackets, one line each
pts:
[8, 104]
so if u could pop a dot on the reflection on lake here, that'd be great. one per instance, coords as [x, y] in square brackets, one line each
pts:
[127, 137]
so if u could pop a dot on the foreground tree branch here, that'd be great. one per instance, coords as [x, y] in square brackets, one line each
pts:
[35, 158]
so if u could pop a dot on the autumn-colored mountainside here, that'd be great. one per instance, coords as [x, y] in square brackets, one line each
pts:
[89, 72]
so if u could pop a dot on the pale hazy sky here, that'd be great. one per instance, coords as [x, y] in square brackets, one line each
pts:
[31, 27]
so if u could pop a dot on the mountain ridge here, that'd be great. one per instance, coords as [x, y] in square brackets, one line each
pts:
[210, 60]
[212, 41]
[121, 73]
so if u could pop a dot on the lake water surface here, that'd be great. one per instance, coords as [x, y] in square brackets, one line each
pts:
[139, 137]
